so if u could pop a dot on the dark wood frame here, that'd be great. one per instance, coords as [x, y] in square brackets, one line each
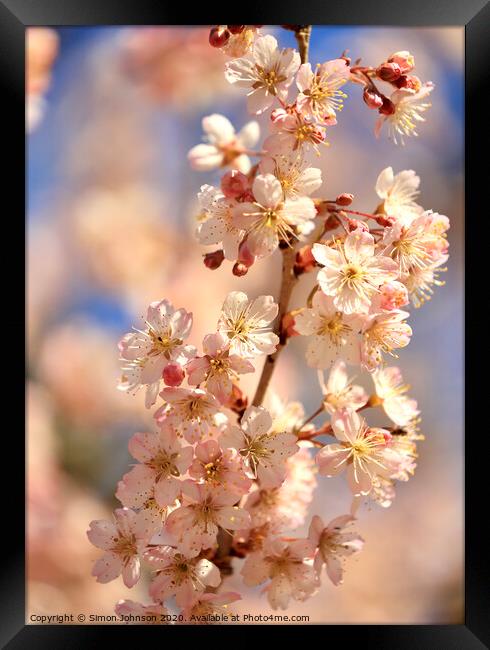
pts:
[474, 15]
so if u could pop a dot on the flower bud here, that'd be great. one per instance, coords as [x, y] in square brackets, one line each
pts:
[389, 71]
[234, 184]
[388, 108]
[244, 255]
[240, 269]
[331, 223]
[372, 99]
[236, 29]
[238, 401]
[385, 221]
[287, 325]
[409, 82]
[173, 374]
[393, 295]
[219, 36]
[305, 262]
[344, 199]
[404, 60]
[214, 260]
[356, 224]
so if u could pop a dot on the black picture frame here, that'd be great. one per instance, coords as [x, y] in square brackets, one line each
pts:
[474, 15]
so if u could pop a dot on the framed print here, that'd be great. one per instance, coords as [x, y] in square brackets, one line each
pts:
[248, 397]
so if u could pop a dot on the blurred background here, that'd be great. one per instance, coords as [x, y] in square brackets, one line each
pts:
[111, 206]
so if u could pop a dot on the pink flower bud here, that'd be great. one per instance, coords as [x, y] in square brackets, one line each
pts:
[388, 108]
[393, 295]
[389, 71]
[344, 199]
[287, 325]
[403, 59]
[219, 36]
[384, 221]
[372, 99]
[240, 269]
[305, 262]
[234, 184]
[410, 82]
[355, 224]
[214, 260]
[173, 374]
[236, 29]
[245, 256]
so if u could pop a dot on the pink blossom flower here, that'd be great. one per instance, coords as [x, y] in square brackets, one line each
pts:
[319, 94]
[286, 507]
[225, 146]
[296, 176]
[334, 543]
[219, 468]
[267, 72]
[194, 526]
[153, 614]
[408, 106]
[333, 333]
[339, 392]
[245, 323]
[362, 451]
[417, 245]
[286, 565]
[162, 460]
[190, 412]
[390, 389]
[352, 271]
[264, 451]
[392, 295]
[420, 282]
[271, 218]
[123, 541]
[399, 193]
[145, 353]
[217, 225]
[240, 43]
[291, 130]
[217, 368]
[383, 333]
[180, 576]
[207, 606]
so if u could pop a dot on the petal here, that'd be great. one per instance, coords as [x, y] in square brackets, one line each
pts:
[334, 570]
[279, 592]
[219, 128]
[358, 246]
[326, 255]
[359, 480]
[267, 190]
[255, 570]
[256, 421]
[136, 487]
[384, 182]
[205, 157]
[263, 310]
[131, 572]
[249, 135]
[102, 534]
[233, 518]
[331, 459]
[208, 573]
[107, 568]
[166, 491]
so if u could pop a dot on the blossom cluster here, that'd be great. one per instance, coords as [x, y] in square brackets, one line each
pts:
[225, 479]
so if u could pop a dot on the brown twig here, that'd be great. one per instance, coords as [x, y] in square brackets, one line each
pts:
[303, 34]
[287, 284]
